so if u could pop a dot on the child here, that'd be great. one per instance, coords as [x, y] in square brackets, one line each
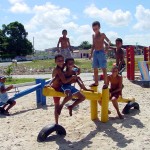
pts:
[9, 103]
[71, 69]
[99, 58]
[58, 80]
[115, 81]
[73, 91]
[65, 45]
[119, 54]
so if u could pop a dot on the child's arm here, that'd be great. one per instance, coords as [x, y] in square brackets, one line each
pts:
[93, 47]
[107, 40]
[63, 79]
[59, 41]
[4, 90]
[69, 45]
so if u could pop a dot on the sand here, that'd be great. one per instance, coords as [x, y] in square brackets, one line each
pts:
[19, 131]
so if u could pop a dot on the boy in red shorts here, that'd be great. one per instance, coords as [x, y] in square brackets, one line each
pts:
[115, 81]
[57, 81]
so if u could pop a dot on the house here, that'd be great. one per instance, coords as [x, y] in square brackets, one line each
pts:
[81, 53]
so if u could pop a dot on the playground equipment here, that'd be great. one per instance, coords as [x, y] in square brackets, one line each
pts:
[94, 97]
[47, 130]
[131, 61]
[40, 99]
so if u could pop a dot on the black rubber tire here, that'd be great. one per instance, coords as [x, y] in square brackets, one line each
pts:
[47, 130]
[130, 105]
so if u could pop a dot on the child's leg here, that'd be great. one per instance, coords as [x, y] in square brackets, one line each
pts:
[80, 97]
[11, 104]
[95, 77]
[4, 106]
[105, 77]
[57, 103]
[65, 100]
[115, 104]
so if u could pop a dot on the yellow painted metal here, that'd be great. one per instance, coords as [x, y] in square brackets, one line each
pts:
[104, 105]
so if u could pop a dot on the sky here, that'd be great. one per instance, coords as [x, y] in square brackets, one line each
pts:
[44, 20]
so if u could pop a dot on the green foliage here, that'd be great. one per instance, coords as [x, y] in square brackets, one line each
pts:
[8, 71]
[85, 45]
[13, 41]
[19, 80]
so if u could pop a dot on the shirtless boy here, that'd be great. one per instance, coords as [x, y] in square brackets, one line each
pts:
[119, 54]
[71, 69]
[115, 81]
[57, 81]
[98, 54]
[65, 45]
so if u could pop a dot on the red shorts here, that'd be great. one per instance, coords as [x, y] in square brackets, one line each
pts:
[56, 100]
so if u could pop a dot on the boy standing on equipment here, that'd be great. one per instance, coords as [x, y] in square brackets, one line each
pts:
[98, 53]
[115, 81]
[9, 103]
[65, 45]
[119, 55]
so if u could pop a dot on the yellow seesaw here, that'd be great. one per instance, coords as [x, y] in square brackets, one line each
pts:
[94, 97]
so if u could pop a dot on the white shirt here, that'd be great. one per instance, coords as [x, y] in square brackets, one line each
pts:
[3, 96]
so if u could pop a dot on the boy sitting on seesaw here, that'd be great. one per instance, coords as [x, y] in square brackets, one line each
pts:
[59, 83]
[71, 70]
[9, 103]
[115, 81]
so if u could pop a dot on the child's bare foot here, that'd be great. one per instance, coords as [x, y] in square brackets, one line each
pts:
[70, 110]
[105, 86]
[120, 116]
[6, 113]
[59, 109]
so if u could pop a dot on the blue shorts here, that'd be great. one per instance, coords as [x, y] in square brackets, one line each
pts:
[99, 59]
[69, 87]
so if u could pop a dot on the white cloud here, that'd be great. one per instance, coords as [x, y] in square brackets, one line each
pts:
[47, 24]
[20, 7]
[112, 36]
[141, 39]
[143, 18]
[114, 18]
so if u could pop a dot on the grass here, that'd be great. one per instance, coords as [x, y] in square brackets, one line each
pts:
[19, 80]
[84, 64]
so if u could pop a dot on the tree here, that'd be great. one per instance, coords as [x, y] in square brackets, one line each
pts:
[13, 38]
[85, 45]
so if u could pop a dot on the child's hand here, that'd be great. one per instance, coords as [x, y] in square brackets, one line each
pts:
[10, 87]
[74, 77]
[90, 56]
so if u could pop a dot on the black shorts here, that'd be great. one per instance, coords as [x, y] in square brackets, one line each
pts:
[10, 101]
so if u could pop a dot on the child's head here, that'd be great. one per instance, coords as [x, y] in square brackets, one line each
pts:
[59, 60]
[119, 43]
[115, 71]
[64, 32]
[96, 26]
[69, 63]
[2, 79]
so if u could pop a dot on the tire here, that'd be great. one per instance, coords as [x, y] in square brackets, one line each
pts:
[47, 130]
[130, 105]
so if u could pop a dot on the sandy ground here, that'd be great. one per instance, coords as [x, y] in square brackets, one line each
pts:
[19, 131]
